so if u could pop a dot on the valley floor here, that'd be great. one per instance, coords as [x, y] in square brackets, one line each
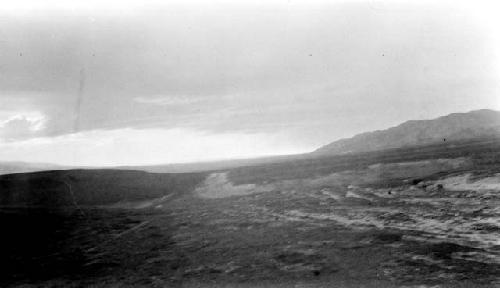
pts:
[438, 225]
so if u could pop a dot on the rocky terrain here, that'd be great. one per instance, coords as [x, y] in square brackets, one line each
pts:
[402, 218]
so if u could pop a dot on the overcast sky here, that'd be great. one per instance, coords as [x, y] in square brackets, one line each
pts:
[149, 83]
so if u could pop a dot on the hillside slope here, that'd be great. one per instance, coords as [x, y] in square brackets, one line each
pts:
[9, 167]
[90, 187]
[456, 126]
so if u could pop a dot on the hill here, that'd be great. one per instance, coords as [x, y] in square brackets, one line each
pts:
[9, 167]
[90, 187]
[453, 127]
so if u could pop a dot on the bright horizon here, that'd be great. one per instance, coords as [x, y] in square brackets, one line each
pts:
[166, 83]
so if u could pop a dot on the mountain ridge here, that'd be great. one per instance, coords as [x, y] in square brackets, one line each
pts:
[454, 126]
[459, 126]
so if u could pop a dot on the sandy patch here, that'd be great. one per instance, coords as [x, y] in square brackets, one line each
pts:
[217, 185]
[464, 183]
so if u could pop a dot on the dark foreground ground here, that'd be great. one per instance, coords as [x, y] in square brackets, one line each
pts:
[408, 222]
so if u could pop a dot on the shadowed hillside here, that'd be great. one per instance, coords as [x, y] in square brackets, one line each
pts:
[90, 187]
[483, 151]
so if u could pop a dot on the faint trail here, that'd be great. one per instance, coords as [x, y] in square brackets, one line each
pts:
[136, 227]
[139, 204]
[112, 238]
[73, 199]
[99, 257]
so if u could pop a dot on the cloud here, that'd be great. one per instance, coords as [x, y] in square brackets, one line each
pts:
[313, 74]
[129, 146]
[166, 100]
[32, 113]
[22, 126]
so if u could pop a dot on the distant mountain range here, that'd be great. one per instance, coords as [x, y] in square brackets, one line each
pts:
[9, 167]
[453, 127]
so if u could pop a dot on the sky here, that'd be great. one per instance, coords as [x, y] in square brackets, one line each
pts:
[104, 83]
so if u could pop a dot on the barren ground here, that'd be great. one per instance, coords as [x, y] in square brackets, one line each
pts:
[421, 223]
